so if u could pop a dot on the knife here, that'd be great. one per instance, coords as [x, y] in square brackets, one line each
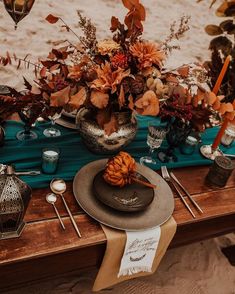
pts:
[186, 192]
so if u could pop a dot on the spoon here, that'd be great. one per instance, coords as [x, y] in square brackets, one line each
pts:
[51, 198]
[58, 186]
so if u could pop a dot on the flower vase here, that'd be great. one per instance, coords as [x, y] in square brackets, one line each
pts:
[95, 138]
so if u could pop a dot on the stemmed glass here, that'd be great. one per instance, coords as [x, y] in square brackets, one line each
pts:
[52, 131]
[176, 135]
[28, 117]
[156, 134]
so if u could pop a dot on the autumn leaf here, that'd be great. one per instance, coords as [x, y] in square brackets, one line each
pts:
[52, 19]
[111, 126]
[78, 99]
[131, 102]
[121, 97]
[114, 24]
[184, 71]
[60, 98]
[35, 90]
[210, 98]
[172, 79]
[43, 72]
[148, 104]
[99, 99]
[102, 117]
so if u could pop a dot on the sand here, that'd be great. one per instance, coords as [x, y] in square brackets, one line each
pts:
[200, 268]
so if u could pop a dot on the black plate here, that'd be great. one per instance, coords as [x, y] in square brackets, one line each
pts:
[130, 198]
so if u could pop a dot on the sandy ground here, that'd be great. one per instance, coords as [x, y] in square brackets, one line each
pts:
[196, 269]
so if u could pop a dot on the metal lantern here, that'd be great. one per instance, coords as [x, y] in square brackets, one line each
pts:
[18, 9]
[14, 199]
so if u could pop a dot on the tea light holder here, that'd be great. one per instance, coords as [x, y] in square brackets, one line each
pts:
[50, 158]
[229, 136]
[220, 171]
[189, 145]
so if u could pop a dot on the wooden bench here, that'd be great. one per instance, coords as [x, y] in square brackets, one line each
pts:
[45, 250]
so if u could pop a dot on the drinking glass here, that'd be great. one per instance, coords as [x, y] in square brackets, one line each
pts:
[52, 131]
[156, 134]
[27, 117]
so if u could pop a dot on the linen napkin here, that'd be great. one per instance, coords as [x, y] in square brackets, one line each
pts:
[114, 255]
[139, 252]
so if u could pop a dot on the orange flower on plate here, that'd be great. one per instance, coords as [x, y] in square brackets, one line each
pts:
[147, 54]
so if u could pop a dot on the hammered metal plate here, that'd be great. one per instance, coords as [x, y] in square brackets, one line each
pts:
[158, 212]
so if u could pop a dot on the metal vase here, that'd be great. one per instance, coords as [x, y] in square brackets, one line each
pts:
[95, 138]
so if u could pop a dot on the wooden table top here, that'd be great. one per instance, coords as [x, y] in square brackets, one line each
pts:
[43, 235]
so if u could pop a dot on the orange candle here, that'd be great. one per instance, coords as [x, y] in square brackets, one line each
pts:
[221, 75]
[220, 134]
[216, 90]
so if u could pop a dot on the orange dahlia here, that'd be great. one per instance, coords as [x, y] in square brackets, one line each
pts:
[147, 54]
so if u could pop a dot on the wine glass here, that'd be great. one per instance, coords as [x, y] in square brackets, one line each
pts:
[176, 135]
[156, 135]
[27, 116]
[52, 131]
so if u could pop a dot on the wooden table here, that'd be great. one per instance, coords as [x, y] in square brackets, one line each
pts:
[45, 250]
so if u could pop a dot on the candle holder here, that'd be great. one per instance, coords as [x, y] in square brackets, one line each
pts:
[50, 158]
[229, 136]
[211, 151]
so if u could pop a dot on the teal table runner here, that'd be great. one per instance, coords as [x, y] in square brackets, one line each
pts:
[26, 155]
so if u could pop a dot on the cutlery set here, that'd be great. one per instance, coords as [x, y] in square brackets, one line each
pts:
[171, 178]
[58, 187]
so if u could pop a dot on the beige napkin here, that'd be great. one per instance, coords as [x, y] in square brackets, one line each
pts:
[116, 240]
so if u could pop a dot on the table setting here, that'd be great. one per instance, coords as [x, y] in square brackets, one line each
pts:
[107, 121]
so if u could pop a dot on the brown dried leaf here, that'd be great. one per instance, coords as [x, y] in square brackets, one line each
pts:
[148, 104]
[121, 97]
[102, 117]
[114, 24]
[99, 99]
[172, 79]
[52, 19]
[78, 99]
[60, 98]
[184, 71]
[213, 30]
[111, 126]
[131, 104]
[35, 90]
[43, 72]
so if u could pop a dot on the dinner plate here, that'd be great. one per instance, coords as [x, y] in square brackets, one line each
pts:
[157, 213]
[67, 123]
[130, 198]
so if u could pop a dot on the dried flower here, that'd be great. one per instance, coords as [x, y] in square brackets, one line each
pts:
[109, 79]
[147, 54]
[121, 170]
[107, 47]
[119, 60]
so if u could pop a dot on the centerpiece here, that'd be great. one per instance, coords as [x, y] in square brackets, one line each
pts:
[110, 81]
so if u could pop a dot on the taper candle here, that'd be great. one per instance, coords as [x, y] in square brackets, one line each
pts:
[216, 90]
[221, 75]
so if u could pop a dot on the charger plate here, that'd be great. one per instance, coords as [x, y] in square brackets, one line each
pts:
[158, 212]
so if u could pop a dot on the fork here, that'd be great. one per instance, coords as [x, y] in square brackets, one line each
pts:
[167, 177]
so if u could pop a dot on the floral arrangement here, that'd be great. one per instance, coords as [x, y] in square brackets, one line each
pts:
[124, 73]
